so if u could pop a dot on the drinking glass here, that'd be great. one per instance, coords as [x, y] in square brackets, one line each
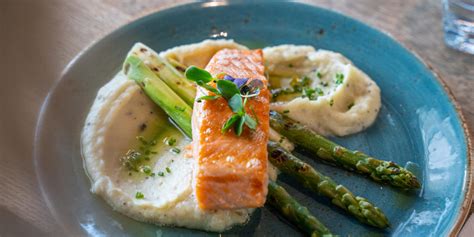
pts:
[458, 21]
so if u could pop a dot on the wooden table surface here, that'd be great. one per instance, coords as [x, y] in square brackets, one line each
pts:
[38, 39]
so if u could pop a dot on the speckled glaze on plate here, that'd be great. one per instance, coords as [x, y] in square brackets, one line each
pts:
[418, 126]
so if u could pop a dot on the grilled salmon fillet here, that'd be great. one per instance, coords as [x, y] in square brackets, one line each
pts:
[231, 170]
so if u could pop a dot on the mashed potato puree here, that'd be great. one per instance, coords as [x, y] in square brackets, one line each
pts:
[121, 112]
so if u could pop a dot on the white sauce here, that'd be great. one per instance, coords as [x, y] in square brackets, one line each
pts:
[344, 108]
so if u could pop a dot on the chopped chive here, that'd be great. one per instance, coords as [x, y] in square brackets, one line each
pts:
[331, 102]
[146, 169]
[319, 75]
[350, 105]
[308, 92]
[170, 141]
[319, 91]
[161, 174]
[286, 111]
[168, 170]
[339, 78]
[175, 150]
[142, 140]
[139, 195]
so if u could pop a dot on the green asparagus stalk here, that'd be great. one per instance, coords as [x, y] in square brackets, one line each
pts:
[164, 97]
[159, 92]
[164, 70]
[340, 196]
[299, 215]
[379, 170]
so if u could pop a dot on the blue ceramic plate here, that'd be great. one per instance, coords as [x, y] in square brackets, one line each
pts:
[418, 125]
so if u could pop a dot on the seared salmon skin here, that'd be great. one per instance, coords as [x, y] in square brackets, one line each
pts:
[231, 170]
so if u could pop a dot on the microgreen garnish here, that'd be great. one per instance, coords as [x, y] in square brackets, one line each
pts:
[251, 89]
[228, 124]
[233, 90]
[339, 78]
[139, 195]
[239, 82]
[227, 89]
[250, 122]
[254, 114]
[196, 74]
[207, 97]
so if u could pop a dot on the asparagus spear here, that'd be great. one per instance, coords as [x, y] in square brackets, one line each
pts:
[159, 92]
[164, 70]
[379, 170]
[299, 215]
[164, 97]
[340, 196]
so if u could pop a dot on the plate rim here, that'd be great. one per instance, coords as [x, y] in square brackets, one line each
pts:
[469, 182]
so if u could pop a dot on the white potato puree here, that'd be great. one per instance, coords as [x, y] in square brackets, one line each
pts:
[121, 112]
[111, 127]
[344, 108]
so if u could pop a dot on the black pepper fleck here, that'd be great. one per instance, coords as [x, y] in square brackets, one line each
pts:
[143, 127]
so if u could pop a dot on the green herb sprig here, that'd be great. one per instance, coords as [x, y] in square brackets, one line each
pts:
[230, 92]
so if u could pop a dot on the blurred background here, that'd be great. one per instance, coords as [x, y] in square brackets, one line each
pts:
[39, 37]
